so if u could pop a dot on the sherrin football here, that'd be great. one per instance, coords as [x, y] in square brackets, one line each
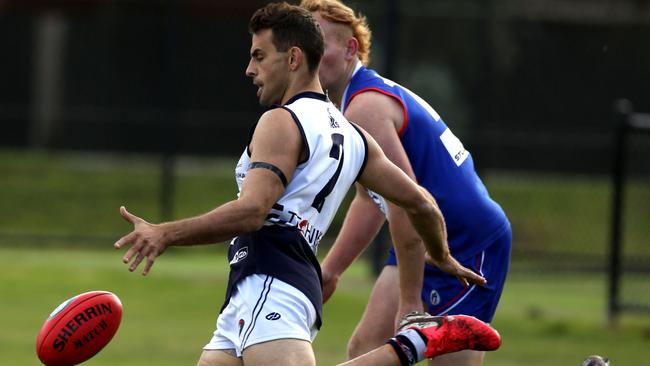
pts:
[79, 328]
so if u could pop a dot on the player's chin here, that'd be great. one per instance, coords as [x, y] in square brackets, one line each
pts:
[265, 104]
[266, 101]
[263, 100]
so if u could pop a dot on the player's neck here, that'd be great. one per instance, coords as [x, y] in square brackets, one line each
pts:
[336, 91]
[301, 85]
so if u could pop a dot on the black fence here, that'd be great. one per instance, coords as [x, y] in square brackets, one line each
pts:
[628, 124]
[526, 85]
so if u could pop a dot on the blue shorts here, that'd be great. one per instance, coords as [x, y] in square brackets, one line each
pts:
[444, 294]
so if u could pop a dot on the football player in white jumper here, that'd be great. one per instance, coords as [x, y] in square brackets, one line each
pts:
[301, 159]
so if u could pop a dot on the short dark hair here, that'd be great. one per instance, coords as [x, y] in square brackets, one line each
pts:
[292, 26]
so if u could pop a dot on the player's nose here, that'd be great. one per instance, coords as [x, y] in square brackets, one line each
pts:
[250, 71]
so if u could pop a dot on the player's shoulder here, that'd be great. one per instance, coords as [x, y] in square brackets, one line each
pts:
[367, 78]
[277, 116]
[276, 127]
[368, 97]
[370, 88]
[370, 104]
[276, 122]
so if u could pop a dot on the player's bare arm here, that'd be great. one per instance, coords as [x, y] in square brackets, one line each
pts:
[361, 224]
[383, 177]
[382, 117]
[277, 142]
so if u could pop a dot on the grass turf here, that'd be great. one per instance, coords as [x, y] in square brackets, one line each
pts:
[72, 199]
[168, 315]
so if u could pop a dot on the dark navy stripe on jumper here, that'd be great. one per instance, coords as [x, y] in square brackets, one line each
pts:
[365, 146]
[307, 94]
[302, 134]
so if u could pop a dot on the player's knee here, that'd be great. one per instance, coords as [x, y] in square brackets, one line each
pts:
[219, 358]
[353, 348]
[358, 346]
[465, 358]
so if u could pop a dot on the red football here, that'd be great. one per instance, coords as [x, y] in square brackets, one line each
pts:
[79, 328]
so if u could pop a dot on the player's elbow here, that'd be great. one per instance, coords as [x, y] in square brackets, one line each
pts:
[254, 217]
[425, 207]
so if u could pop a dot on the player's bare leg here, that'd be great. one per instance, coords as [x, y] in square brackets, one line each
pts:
[462, 358]
[377, 323]
[281, 352]
[370, 333]
[382, 356]
[424, 336]
[385, 356]
[219, 358]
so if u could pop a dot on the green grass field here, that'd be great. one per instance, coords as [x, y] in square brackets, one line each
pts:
[169, 315]
[58, 219]
[78, 194]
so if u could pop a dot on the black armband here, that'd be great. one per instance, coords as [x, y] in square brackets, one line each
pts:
[271, 167]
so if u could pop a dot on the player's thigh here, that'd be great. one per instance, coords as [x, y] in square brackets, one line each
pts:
[378, 321]
[263, 309]
[462, 358]
[219, 358]
[280, 352]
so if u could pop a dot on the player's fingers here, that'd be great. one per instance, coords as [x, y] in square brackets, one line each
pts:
[129, 217]
[131, 252]
[468, 276]
[151, 258]
[125, 214]
[136, 262]
[125, 240]
[474, 278]
[463, 281]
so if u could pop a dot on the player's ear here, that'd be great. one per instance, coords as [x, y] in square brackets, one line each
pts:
[351, 48]
[295, 58]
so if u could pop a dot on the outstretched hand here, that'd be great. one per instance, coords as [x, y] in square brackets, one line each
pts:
[451, 266]
[147, 241]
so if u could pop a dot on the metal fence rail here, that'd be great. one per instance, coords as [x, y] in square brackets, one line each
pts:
[628, 123]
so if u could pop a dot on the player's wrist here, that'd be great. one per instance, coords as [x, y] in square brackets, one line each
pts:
[334, 267]
[169, 234]
[330, 273]
[440, 256]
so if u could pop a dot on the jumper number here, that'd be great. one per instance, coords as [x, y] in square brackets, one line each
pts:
[336, 153]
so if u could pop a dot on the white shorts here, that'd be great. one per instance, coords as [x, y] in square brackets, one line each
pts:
[263, 308]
